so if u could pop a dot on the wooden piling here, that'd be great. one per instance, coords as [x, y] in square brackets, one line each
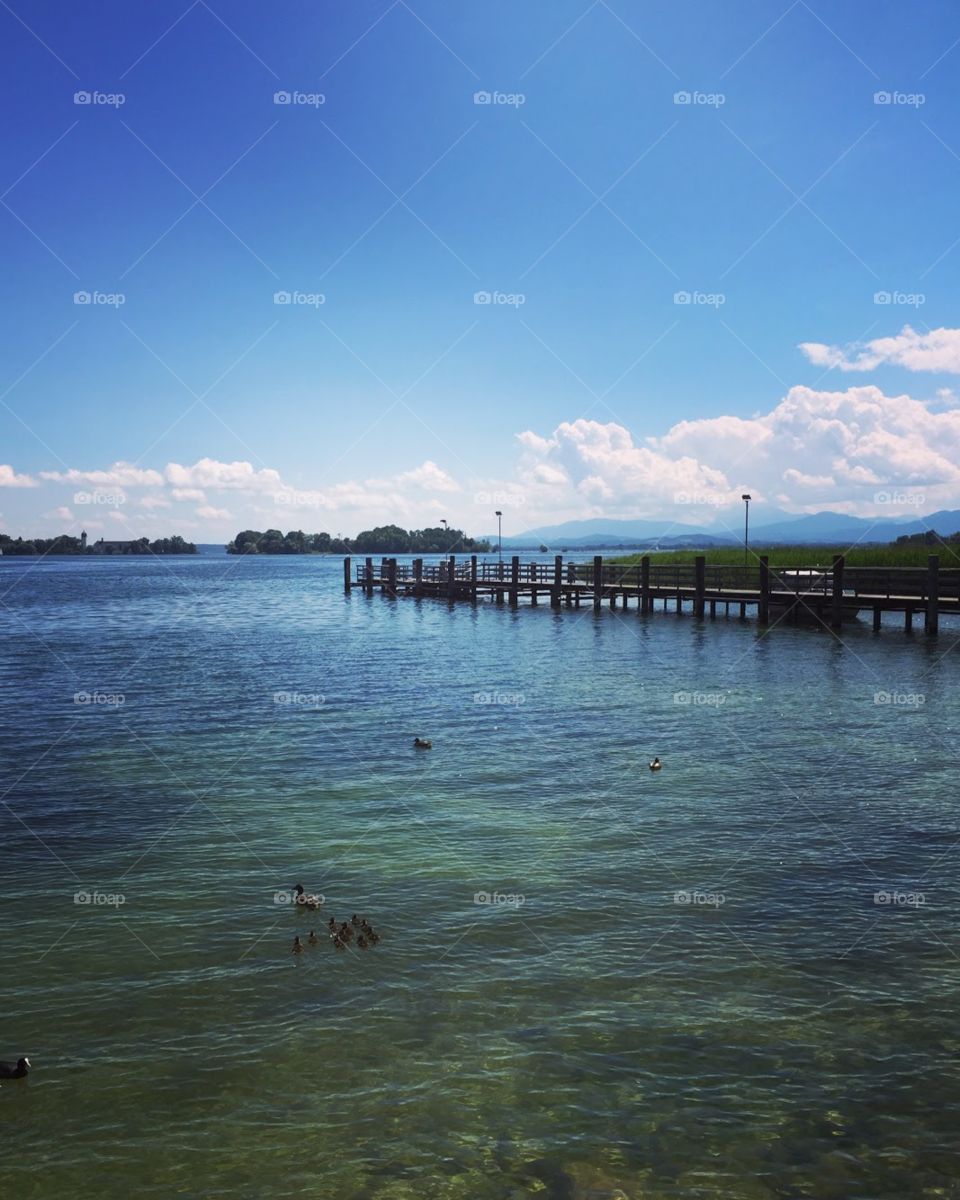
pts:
[368, 573]
[713, 608]
[597, 580]
[700, 585]
[417, 576]
[514, 579]
[908, 620]
[763, 608]
[877, 611]
[557, 581]
[932, 622]
[346, 576]
[645, 602]
[451, 576]
[836, 606]
[473, 578]
[391, 577]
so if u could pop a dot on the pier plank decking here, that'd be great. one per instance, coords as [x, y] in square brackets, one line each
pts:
[824, 595]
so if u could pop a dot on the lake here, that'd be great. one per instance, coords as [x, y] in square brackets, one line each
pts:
[736, 978]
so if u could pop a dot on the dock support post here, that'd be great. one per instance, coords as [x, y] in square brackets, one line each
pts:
[713, 608]
[877, 610]
[557, 581]
[392, 576]
[368, 581]
[346, 575]
[700, 579]
[763, 610]
[451, 576]
[836, 607]
[383, 575]
[597, 580]
[473, 579]
[417, 576]
[514, 579]
[679, 603]
[908, 620]
[645, 603]
[932, 623]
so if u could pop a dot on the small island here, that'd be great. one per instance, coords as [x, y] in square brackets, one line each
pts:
[385, 539]
[65, 544]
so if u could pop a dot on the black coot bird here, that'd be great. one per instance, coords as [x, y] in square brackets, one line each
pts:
[17, 1070]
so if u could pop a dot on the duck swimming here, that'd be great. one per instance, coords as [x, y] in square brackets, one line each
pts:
[304, 898]
[18, 1070]
[313, 939]
[656, 765]
[297, 947]
[422, 743]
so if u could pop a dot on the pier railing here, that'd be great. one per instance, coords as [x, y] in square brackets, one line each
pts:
[828, 594]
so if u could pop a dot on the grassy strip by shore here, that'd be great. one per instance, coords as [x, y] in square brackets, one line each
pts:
[809, 556]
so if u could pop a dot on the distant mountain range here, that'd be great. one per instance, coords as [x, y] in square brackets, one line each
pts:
[827, 527]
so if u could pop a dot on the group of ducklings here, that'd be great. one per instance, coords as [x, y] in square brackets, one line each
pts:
[357, 927]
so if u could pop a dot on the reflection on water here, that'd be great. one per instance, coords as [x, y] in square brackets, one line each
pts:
[735, 979]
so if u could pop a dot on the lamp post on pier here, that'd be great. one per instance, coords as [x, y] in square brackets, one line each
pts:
[499, 515]
[746, 498]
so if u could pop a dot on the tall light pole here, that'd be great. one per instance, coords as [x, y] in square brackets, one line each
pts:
[446, 524]
[499, 515]
[746, 498]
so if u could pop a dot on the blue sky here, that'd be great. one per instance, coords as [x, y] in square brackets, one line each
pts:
[782, 199]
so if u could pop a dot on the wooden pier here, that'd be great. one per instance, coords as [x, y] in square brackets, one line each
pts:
[826, 596]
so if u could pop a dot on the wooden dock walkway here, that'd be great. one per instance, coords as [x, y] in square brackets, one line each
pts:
[826, 596]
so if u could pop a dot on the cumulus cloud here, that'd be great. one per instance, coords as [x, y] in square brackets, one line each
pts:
[813, 450]
[179, 493]
[154, 501]
[209, 473]
[60, 514]
[212, 514]
[121, 474]
[938, 350]
[9, 478]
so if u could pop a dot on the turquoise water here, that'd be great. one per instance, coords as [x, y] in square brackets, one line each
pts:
[685, 987]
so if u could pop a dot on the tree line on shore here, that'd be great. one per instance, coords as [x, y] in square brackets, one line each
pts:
[385, 539]
[65, 544]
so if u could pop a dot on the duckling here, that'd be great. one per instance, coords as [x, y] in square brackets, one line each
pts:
[331, 924]
[297, 947]
[656, 765]
[422, 743]
[338, 943]
[355, 920]
[313, 939]
[345, 933]
[361, 942]
[306, 899]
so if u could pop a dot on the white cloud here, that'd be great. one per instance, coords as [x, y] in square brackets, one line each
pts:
[209, 473]
[60, 514]
[212, 514]
[430, 477]
[937, 350]
[813, 450]
[121, 474]
[154, 501]
[9, 478]
[179, 493]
